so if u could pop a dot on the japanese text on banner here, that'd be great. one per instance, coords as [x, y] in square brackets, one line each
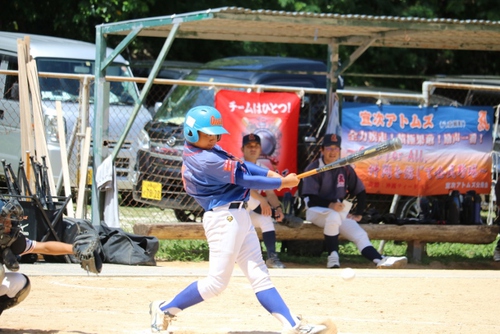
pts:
[444, 148]
[272, 116]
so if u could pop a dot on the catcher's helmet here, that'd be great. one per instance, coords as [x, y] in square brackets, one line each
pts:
[12, 208]
[205, 119]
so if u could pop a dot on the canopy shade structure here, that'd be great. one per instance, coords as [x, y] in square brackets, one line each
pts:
[268, 26]
[240, 24]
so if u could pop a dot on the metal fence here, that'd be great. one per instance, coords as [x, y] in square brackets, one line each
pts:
[75, 92]
[312, 123]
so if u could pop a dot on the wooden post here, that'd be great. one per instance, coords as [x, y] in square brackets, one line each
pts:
[80, 201]
[416, 250]
[64, 159]
[26, 128]
[40, 140]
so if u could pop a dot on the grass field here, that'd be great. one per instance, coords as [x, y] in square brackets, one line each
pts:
[197, 250]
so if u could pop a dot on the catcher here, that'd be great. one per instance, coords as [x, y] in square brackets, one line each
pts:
[15, 287]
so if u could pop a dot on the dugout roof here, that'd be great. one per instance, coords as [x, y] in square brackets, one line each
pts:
[240, 24]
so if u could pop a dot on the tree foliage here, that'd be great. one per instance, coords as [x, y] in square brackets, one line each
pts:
[77, 19]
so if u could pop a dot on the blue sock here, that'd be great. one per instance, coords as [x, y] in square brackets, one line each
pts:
[273, 303]
[186, 298]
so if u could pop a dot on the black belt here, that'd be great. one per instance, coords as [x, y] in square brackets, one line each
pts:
[238, 205]
[233, 205]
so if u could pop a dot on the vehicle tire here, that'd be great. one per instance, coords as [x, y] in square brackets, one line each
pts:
[188, 216]
[411, 209]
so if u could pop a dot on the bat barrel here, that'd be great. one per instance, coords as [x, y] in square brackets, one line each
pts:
[396, 143]
[372, 151]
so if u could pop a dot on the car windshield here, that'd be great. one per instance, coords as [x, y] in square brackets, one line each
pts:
[182, 98]
[66, 89]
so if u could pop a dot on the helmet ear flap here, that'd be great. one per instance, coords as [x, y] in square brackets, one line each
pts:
[191, 134]
[204, 119]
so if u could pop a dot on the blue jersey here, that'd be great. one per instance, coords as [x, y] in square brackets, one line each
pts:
[214, 177]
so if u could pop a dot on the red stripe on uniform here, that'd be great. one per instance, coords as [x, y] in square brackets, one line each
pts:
[233, 173]
[227, 165]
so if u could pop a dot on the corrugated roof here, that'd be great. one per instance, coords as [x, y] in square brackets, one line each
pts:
[240, 24]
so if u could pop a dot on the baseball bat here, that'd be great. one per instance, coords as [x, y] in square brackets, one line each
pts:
[370, 152]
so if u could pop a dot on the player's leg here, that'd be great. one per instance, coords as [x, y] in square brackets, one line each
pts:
[224, 239]
[266, 225]
[266, 293]
[14, 288]
[351, 230]
[330, 221]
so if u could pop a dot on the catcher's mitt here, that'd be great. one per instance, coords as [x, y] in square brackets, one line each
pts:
[87, 247]
[291, 221]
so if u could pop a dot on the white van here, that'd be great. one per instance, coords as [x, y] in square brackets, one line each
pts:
[58, 55]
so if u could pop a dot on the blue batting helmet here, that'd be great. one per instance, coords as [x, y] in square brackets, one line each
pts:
[205, 119]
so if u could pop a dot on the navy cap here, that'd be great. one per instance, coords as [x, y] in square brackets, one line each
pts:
[251, 138]
[332, 139]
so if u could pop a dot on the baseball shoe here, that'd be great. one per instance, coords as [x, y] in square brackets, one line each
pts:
[274, 262]
[496, 255]
[333, 260]
[392, 262]
[159, 319]
[326, 327]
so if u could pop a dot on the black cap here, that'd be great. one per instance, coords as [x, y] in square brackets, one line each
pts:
[251, 138]
[332, 139]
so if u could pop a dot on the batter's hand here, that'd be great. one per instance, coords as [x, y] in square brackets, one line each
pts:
[289, 181]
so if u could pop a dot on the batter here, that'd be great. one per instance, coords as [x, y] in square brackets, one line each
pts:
[221, 184]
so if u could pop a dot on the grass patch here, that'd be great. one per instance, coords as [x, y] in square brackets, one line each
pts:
[197, 250]
[183, 250]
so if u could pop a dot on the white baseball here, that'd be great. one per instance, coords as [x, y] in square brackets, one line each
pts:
[348, 274]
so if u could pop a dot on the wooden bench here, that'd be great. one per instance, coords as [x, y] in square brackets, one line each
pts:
[416, 236]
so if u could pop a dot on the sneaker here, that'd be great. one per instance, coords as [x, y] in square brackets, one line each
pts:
[496, 255]
[274, 262]
[303, 328]
[333, 260]
[392, 262]
[159, 319]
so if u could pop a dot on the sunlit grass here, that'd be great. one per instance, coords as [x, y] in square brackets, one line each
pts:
[197, 250]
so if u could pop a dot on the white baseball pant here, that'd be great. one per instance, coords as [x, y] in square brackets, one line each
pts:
[232, 239]
[332, 223]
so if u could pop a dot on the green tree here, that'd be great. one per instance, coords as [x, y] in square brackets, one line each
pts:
[77, 20]
[70, 19]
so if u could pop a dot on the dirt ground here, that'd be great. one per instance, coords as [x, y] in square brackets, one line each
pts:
[419, 299]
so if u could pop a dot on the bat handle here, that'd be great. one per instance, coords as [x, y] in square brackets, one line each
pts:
[306, 174]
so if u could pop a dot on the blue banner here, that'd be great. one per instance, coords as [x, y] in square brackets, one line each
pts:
[444, 148]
